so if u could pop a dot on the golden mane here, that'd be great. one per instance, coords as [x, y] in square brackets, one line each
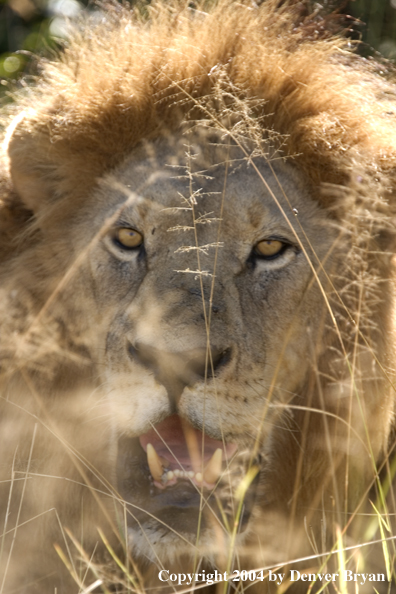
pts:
[126, 79]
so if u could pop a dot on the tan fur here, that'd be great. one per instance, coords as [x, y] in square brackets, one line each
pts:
[260, 125]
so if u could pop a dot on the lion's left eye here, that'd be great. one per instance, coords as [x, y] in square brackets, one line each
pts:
[270, 248]
[128, 238]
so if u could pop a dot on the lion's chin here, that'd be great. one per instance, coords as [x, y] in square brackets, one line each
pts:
[174, 478]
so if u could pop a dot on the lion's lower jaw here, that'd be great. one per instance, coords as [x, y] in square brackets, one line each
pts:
[269, 546]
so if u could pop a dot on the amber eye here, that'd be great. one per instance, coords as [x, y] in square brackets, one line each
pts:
[269, 248]
[128, 238]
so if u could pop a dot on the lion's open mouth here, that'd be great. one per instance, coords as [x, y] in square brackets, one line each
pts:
[176, 451]
[165, 472]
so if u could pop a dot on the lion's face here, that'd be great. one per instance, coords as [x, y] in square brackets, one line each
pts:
[209, 312]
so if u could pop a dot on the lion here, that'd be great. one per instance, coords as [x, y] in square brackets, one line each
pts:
[197, 297]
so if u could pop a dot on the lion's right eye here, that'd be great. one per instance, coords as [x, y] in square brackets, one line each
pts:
[127, 238]
[270, 248]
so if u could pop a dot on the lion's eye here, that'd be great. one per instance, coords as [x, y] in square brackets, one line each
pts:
[128, 238]
[270, 248]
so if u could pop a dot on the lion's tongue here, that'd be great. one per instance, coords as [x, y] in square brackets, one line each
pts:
[178, 443]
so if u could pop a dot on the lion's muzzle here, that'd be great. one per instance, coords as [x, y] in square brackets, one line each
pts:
[176, 370]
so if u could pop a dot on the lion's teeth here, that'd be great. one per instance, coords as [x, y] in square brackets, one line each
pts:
[154, 463]
[213, 467]
[210, 474]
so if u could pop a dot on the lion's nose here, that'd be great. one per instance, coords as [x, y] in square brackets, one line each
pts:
[178, 370]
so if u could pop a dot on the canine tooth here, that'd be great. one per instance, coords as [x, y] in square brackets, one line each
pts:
[170, 475]
[198, 477]
[154, 463]
[213, 467]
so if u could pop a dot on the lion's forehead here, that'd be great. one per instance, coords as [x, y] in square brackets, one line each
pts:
[173, 195]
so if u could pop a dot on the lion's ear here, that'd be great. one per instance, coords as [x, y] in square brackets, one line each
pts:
[26, 165]
[31, 189]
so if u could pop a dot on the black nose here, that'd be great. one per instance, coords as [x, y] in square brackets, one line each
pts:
[178, 370]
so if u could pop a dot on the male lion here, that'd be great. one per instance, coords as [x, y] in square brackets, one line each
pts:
[197, 232]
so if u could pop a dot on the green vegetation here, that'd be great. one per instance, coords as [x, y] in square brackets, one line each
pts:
[29, 28]
[378, 25]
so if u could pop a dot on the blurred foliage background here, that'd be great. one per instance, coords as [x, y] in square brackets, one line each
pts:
[378, 25]
[31, 27]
